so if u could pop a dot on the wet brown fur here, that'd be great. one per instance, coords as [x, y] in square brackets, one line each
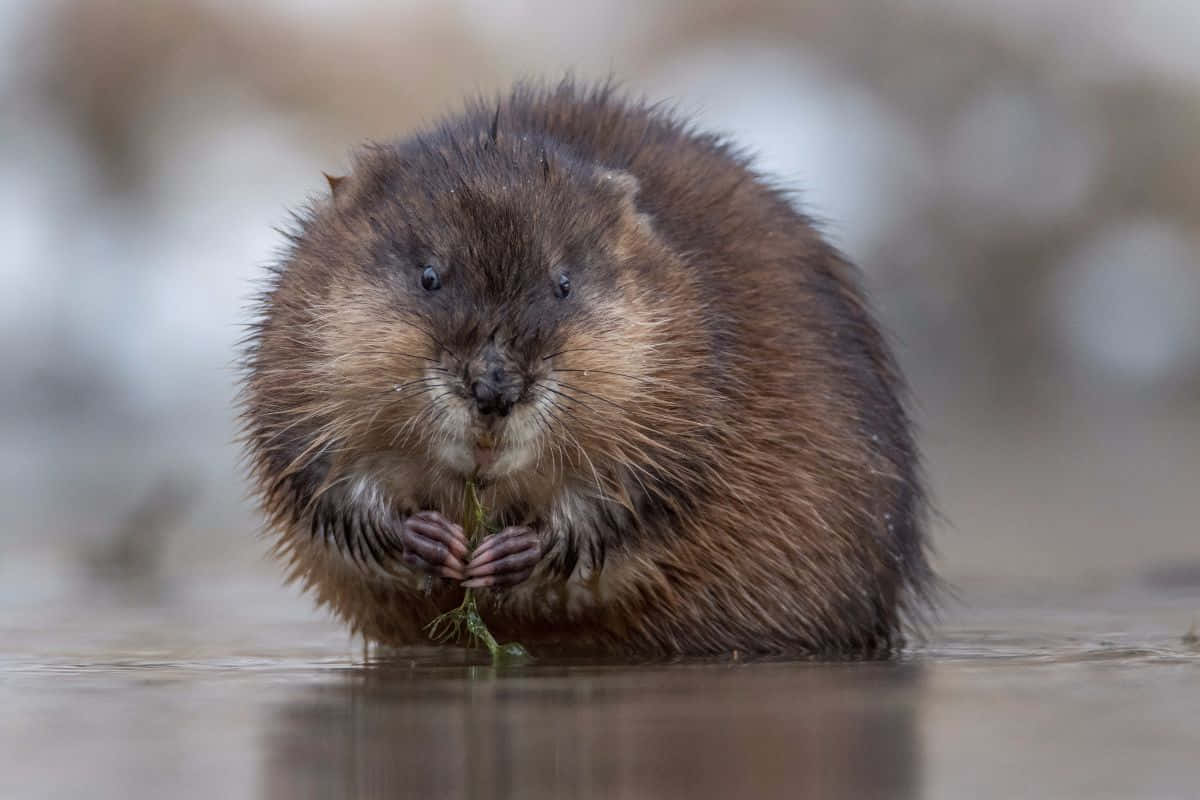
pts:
[727, 463]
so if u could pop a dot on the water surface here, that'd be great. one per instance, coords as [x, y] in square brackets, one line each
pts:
[229, 691]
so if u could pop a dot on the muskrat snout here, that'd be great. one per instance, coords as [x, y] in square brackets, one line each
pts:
[493, 393]
[494, 384]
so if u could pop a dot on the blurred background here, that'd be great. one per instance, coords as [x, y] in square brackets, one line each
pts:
[1019, 181]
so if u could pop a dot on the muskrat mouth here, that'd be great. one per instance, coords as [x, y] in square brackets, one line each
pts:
[485, 449]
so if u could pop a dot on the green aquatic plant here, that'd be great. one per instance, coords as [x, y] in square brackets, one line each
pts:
[464, 622]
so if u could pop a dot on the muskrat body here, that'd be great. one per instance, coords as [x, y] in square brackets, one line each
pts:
[668, 388]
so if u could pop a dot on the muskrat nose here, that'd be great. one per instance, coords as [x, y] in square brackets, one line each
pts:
[490, 397]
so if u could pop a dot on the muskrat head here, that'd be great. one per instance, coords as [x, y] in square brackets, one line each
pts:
[489, 310]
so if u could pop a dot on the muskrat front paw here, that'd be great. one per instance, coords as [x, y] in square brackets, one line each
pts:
[435, 545]
[504, 559]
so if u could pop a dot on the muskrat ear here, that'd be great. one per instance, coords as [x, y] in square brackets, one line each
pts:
[340, 192]
[635, 226]
[334, 181]
[624, 185]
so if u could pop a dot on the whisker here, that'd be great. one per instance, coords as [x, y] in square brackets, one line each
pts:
[411, 424]
[566, 390]
[436, 340]
[572, 388]
[378, 351]
[566, 396]
[648, 414]
[417, 392]
[645, 379]
[401, 386]
[571, 350]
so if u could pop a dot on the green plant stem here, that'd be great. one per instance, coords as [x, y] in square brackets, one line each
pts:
[465, 621]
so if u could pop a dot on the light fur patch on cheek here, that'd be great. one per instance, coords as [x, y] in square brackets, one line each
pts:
[448, 439]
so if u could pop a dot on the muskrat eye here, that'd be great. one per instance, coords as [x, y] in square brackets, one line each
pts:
[563, 287]
[430, 281]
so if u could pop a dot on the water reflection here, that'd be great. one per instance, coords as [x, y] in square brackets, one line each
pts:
[397, 728]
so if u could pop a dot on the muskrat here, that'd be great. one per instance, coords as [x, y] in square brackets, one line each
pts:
[669, 388]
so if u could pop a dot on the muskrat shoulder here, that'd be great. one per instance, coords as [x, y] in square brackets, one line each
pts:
[668, 387]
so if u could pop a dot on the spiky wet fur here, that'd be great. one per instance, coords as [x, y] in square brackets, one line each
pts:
[715, 446]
